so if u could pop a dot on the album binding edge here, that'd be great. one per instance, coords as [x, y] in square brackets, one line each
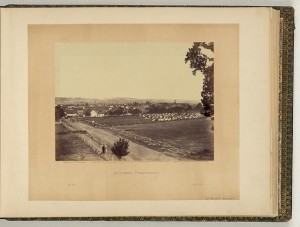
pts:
[285, 209]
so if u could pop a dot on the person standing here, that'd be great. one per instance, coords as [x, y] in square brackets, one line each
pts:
[104, 149]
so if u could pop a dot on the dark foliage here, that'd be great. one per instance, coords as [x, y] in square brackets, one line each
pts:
[134, 111]
[87, 112]
[200, 62]
[165, 108]
[118, 111]
[198, 107]
[59, 112]
[120, 148]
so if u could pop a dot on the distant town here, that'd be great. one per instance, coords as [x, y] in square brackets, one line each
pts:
[155, 111]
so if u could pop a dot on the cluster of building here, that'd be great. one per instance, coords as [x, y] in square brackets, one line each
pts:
[171, 116]
[80, 111]
[153, 112]
[94, 110]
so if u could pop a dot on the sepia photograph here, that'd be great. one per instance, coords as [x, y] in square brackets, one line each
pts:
[134, 101]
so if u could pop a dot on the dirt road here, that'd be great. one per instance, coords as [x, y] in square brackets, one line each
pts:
[137, 152]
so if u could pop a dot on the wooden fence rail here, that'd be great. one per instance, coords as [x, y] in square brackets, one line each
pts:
[92, 143]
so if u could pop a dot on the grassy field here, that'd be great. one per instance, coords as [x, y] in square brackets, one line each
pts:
[194, 135]
[118, 120]
[69, 147]
[187, 139]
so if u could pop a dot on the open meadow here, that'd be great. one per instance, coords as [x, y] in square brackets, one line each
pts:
[194, 137]
[191, 139]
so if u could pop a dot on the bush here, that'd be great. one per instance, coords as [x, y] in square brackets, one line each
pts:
[120, 148]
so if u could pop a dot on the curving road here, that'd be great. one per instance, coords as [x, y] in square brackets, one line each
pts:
[137, 152]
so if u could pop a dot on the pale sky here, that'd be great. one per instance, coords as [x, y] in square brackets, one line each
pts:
[133, 70]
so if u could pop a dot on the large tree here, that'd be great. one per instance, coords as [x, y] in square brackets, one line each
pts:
[200, 57]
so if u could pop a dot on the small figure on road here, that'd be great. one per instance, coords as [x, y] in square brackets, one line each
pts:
[104, 149]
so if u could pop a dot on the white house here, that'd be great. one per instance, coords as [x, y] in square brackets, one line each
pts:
[94, 113]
